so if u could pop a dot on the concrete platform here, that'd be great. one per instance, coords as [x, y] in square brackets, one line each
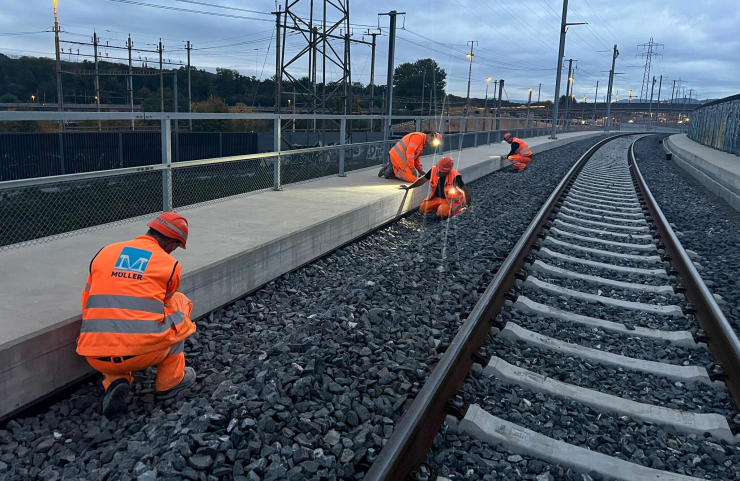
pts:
[234, 247]
[718, 171]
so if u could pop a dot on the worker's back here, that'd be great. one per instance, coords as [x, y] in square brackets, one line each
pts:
[523, 147]
[123, 303]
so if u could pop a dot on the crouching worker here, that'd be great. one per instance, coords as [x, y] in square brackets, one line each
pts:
[132, 315]
[405, 156]
[448, 194]
[520, 154]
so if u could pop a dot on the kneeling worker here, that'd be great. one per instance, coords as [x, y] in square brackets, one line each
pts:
[449, 194]
[520, 154]
[132, 315]
[405, 156]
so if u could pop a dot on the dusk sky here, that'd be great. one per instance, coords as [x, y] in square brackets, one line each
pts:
[517, 40]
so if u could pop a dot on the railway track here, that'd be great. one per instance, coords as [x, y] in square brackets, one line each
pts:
[602, 349]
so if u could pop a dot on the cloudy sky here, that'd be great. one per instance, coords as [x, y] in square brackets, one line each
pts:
[516, 40]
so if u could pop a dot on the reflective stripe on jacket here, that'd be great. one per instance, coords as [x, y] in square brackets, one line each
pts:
[127, 304]
[409, 149]
[455, 197]
[523, 147]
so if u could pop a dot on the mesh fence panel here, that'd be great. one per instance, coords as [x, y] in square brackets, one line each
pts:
[218, 181]
[302, 167]
[361, 156]
[40, 213]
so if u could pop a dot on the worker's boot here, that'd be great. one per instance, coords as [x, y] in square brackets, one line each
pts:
[114, 402]
[186, 382]
[383, 170]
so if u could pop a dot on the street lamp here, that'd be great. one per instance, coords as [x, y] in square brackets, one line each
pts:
[33, 98]
[470, 73]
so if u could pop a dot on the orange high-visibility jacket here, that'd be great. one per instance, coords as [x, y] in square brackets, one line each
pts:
[123, 304]
[409, 149]
[523, 147]
[455, 197]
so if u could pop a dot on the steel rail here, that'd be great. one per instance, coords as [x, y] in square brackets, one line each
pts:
[415, 432]
[723, 342]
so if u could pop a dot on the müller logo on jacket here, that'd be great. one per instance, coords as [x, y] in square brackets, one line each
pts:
[132, 262]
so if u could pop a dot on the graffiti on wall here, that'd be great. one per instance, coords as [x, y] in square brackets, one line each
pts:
[718, 125]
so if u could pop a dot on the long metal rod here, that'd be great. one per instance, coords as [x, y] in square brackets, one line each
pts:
[723, 341]
[56, 116]
[559, 73]
[608, 101]
[190, 91]
[97, 78]
[650, 108]
[657, 106]
[60, 91]
[415, 432]
[160, 49]
[498, 110]
[130, 79]
[568, 93]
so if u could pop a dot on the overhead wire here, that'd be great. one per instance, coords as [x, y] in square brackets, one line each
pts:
[187, 10]
[257, 86]
[204, 4]
[523, 25]
[607, 24]
[497, 31]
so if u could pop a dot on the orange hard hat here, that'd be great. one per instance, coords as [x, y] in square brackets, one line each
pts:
[444, 165]
[172, 225]
[507, 136]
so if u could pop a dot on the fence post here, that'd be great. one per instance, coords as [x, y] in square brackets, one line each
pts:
[490, 127]
[418, 124]
[166, 129]
[342, 133]
[120, 150]
[442, 133]
[220, 144]
[276, 165]
[462, 135]
[61, 153]
[386, 138]
[476, 132]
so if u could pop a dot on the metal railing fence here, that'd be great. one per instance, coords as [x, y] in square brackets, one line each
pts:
[717, 125]
[26, 155]
[40, 209]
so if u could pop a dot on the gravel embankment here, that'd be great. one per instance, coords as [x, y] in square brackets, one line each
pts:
[306, 377]
[709, 226]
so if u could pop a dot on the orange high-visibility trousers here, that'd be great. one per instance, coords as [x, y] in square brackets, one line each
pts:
[438, 206]
[402, 170]
[520, 161]
[170, 366]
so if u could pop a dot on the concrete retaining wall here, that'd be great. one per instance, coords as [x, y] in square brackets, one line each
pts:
[723, 183]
